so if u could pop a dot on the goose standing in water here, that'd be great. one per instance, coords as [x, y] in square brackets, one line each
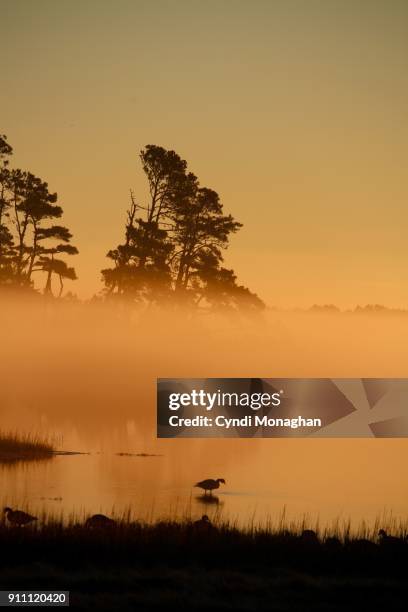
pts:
[18, 517]
[210, 484]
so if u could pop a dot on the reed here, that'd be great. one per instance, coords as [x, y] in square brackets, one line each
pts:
[25, 446]
[181, 519]
[156, 565]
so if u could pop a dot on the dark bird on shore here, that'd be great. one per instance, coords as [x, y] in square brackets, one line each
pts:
[309, 537]
[18, 517]
[387, 540]
[203, 523]
[210, 484]
[99, 521]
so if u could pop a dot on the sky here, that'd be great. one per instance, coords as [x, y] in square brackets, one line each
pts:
[294, 111]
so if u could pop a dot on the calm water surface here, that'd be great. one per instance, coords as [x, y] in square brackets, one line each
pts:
[325, 480]
[89, 376]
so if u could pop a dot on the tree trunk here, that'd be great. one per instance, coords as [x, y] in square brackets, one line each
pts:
[33, 254]
[61, 286]
[48, 287]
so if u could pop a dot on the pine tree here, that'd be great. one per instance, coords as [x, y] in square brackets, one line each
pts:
[26, 209]
[173, 248]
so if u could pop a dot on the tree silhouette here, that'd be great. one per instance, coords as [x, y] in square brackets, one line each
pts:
[173, 246]
[141, 269]
[166, 174]
[200, 231]
[6, 239]
[58, 267]
[26, 208]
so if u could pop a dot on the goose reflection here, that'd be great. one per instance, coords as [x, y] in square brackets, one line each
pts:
[209, 500]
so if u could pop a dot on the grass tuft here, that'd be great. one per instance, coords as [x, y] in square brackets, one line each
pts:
[24, 447]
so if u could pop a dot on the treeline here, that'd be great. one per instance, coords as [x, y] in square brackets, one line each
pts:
[367, 309]
[172, 250]
[173, 244]
[29, 242]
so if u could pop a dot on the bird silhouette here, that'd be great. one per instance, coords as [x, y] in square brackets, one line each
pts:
[203, 523]
[99, 521]
[308, 536]
[389, 541]
[210, 484]
[18, 517]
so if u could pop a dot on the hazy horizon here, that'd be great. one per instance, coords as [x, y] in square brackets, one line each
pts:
[87, 376]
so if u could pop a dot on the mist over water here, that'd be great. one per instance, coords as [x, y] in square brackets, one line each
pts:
[85, 374]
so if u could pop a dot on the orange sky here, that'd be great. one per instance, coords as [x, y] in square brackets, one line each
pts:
[294, 111]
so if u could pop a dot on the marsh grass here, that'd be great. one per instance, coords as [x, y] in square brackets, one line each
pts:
[183, 516]
[25, 447]
[172, 563]
[181, 523]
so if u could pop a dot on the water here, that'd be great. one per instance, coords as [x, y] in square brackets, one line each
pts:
[88, 376]
[325, 480]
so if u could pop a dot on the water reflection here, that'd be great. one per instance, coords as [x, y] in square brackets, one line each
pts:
[257, 490]
[209, 500]
[12, 462]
